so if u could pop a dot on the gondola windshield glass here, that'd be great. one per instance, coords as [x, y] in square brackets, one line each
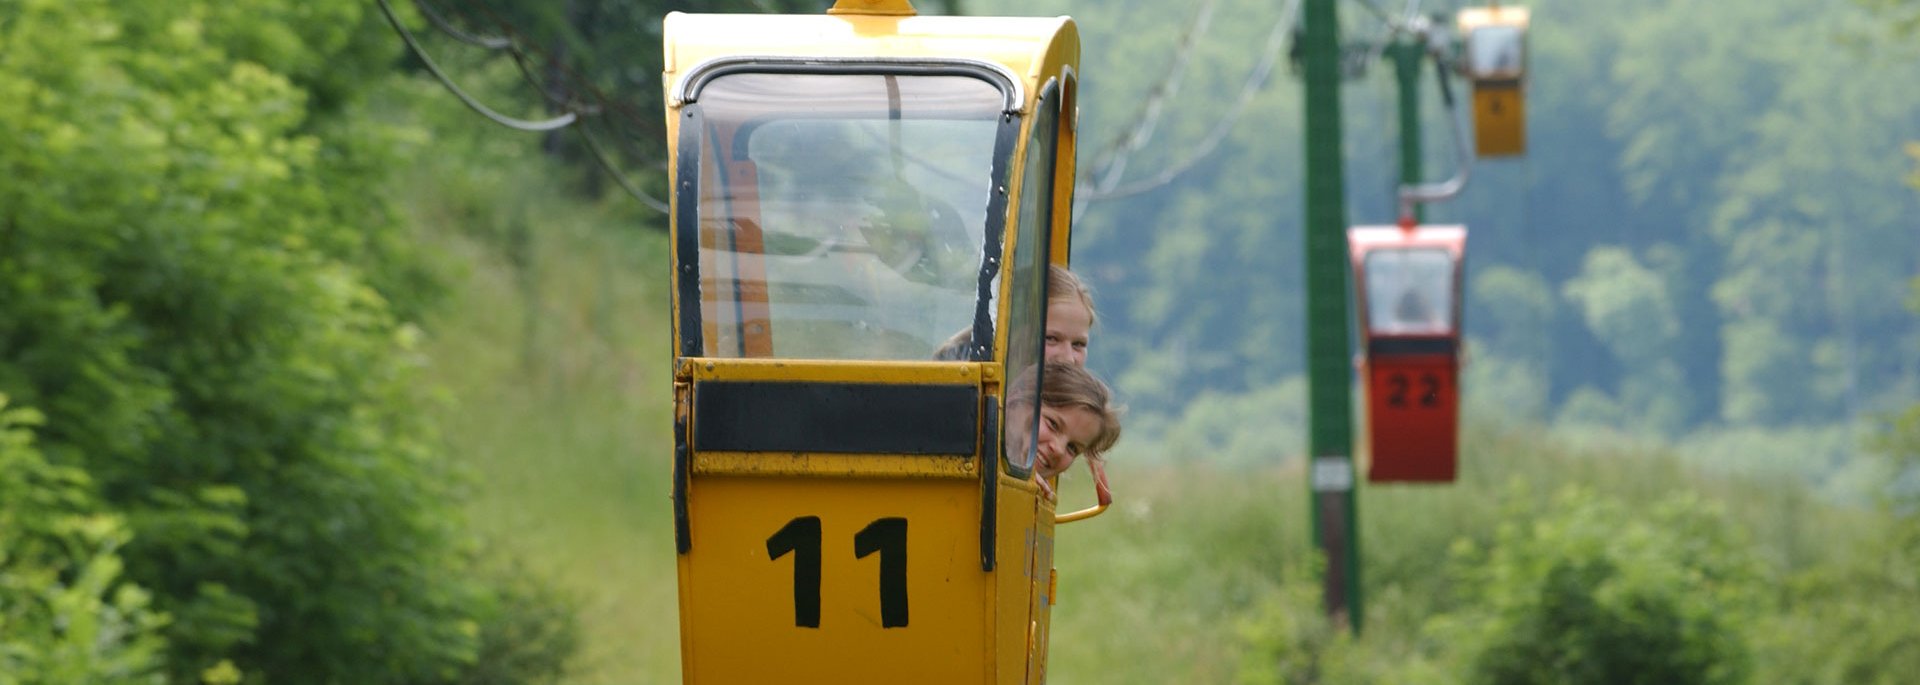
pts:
[1496, 52]
[1409, 291]
[842, 216]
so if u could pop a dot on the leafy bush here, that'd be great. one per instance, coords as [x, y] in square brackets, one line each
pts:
[1838, 623]
[1596, 593]
[202, 288]
[1838, 626]
[1288, 640]
[67, 616]
[528, 631]
[1287, 635]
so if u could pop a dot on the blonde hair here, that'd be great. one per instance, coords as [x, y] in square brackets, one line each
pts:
[1071, 385]
[1064, 286]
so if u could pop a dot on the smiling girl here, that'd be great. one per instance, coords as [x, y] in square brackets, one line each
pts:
[1077, 419]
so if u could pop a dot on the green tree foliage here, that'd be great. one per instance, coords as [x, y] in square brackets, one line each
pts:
[1815, 230]
[1851, 597]
[1902, 17]
[1248, 429]
[68, 615]
[528, 630]
[1627, 306]
[598, 58]
[1737, 154]
[1507, 359]
[1290, 639]
[1198, 279]
[202, 290]
[1595, 594]
[1519, 306]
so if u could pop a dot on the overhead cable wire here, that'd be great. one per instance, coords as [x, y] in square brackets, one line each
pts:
[619, 177]
[562, 96]
[1402, 23]
[511, 42]
[1111, 163]
[607, 164]
[1382, 36]
[573, 110]
[1376, 10]
[592, 102]
[1105, 183]
[475, 105]
[440, 22]
[1256, 80]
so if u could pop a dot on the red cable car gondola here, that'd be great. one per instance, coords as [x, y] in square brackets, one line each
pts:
[1408, 286]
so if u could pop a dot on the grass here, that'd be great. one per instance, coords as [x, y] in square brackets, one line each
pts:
[1149, 592]
[1162, 589]
[551, 364]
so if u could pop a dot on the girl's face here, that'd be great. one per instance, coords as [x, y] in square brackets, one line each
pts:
[1068, 322]
[1064, 433]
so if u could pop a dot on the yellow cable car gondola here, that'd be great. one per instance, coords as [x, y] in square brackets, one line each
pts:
[851, 191]
[1496, 63]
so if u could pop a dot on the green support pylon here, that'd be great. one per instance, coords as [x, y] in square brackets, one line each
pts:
[1329, 361]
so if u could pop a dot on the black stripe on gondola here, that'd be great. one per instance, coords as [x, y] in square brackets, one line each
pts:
[861, 418]
[1400, 347]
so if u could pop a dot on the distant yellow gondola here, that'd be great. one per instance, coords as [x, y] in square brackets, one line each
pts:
[1495, 60]
[856, 195]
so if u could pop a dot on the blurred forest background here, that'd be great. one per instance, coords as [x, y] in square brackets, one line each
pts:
[309, 374]
[1709, 240]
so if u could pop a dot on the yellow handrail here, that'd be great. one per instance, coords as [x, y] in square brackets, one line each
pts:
[1100, 491]
[1080, 515]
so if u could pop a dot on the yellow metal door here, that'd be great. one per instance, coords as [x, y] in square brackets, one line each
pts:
[1041, 573]
[1014, 582]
